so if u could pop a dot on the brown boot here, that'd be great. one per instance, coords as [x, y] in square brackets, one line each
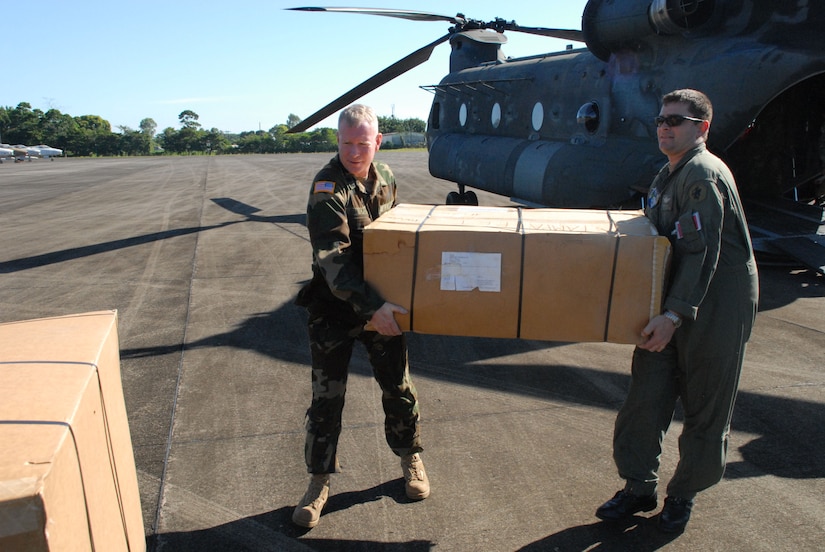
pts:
[308, 512]
[417, 485]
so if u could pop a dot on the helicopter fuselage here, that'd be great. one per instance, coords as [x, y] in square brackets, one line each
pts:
[575, 128]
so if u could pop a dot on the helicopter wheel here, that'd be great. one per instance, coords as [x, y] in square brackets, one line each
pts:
[457, 198]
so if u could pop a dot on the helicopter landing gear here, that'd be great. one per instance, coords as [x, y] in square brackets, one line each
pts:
[462, 198]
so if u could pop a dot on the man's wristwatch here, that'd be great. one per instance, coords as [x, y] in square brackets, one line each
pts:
[673, 317]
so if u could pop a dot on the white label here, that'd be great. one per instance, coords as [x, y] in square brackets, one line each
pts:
[462, 271]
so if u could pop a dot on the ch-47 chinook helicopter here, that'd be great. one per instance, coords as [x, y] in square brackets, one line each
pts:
[575, 129]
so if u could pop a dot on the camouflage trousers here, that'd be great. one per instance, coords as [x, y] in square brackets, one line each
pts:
[331, 342]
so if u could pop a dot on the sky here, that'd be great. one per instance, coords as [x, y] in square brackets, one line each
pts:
[241, 66]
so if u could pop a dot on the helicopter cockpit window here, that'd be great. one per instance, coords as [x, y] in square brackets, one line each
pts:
[495, 116]
[462, 114]
[538, 116]
[588, 116]
[435, 115]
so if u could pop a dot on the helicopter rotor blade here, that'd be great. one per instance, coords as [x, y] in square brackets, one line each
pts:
[412, 15]
[460, 21]
[472, 28]
[564, 34]
[398, 68]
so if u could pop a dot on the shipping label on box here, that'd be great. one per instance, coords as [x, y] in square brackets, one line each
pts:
[548, 274]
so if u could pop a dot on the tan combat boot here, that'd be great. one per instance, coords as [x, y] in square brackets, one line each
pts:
[308, 511]
[417, 485]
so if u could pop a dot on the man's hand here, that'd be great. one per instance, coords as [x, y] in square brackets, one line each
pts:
[383, 321]
[657, 334]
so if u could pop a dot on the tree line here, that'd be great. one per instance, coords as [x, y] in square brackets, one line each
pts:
[91, 135]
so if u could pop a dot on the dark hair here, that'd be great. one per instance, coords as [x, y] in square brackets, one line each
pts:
[698, 103]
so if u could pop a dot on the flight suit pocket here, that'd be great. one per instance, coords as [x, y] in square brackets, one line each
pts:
[688, 236]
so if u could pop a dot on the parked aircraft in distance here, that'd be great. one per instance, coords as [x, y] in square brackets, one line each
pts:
[43, 151]
[21, 152]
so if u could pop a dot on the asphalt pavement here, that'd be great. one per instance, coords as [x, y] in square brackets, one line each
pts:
[202, 258]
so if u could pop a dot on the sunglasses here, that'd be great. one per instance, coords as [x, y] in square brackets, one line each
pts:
[674, 120]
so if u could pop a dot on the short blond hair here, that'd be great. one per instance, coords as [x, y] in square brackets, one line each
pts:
[356, 114]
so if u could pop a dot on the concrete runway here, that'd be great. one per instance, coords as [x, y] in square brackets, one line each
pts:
[202, 257]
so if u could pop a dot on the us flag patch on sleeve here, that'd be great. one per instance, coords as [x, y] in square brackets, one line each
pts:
[324, 186]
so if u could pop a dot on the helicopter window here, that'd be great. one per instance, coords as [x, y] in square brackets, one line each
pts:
[435, 115]
[538, 116]
[495, 116]
[462, 114]
[588, 116]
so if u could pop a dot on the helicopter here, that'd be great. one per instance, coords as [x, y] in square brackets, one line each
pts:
[575, 128]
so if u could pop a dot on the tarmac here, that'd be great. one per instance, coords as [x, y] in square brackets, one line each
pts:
[202, 258]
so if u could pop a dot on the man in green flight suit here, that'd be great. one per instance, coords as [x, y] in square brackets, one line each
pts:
[694, 350]
[347, 194]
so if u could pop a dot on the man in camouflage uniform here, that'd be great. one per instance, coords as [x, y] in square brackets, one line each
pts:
[351, 191]
[694, 350]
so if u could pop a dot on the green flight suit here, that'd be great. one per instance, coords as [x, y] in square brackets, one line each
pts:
[714, 287]
[340, 303]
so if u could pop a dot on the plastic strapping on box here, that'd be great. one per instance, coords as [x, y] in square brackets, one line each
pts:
[112, 463]
[520, 228]
[655, 294]
[76, 455]
[415, 266]
[612, 276]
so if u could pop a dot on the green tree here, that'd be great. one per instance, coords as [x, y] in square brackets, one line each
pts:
[23, 125]
[148, 126]
[56, 127]
[322, 139]
[188, 140]
[216, 141]
[134, 142]
[168, 139]
[92, 136]
[189, 119]
[387, 125]
[4, 121]
[292, 120]
[256, 142]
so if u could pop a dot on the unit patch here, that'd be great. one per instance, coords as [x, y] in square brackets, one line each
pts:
[323, 186]
[698, 192]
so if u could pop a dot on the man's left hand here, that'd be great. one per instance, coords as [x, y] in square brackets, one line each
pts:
[657, 334]
[383, 321]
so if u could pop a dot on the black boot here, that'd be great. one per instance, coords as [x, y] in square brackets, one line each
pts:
[675, 514]
[624, 505]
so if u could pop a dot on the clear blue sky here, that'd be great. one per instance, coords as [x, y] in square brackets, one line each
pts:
[240, 65]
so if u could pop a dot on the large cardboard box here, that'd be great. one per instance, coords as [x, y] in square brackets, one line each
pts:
[67, 471]
[546, 274]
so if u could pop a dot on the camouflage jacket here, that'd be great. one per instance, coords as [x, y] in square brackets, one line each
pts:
[338, 209]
